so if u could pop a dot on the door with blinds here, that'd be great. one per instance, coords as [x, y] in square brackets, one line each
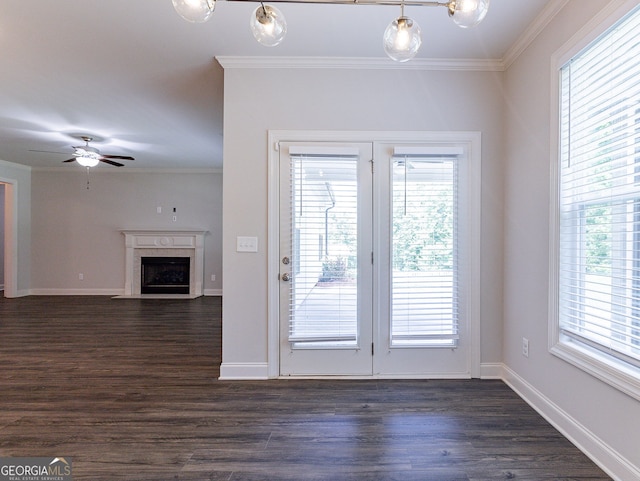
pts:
[372, 267]
[325, 259]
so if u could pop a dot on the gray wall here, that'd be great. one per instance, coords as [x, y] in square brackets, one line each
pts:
[257, 100]
[602, 416]
[77, 230]
[2, 235]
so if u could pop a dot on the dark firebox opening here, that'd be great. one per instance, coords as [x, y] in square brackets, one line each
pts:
[165, 275]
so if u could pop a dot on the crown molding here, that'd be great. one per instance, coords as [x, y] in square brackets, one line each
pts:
[358, 63]
[533, 30]
[134, 170]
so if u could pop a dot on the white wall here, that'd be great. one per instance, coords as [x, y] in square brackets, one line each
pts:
[602, 418]
[76, 230]
[18, 179]
[257, 100]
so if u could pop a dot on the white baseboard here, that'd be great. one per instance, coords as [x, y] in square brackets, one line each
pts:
[491, 370]
[19, 293]
[95, 292]
[76, 292]
[615, 465]
[244, 371]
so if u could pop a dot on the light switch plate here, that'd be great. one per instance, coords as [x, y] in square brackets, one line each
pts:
[246, 244]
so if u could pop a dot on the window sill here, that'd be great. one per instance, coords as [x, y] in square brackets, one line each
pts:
[614, 372]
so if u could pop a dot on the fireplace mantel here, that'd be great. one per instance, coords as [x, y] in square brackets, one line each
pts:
[157, 243]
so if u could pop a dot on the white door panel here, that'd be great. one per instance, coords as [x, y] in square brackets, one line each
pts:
[325, 259]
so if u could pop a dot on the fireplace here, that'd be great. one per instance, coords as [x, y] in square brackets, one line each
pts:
[164, 245]
[164, 275]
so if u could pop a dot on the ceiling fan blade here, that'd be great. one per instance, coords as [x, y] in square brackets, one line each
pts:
[122, 157]
[107, 161]
[70, 160]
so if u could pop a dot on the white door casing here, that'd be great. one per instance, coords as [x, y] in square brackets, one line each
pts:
[374, 300]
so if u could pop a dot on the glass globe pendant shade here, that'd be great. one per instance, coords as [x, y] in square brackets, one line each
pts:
[195, 11]
[268, 25]
[401, 39]
[87, 161]
[468, 13]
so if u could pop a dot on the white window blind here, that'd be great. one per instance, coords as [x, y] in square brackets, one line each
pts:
[599, 194]
[324, 208]
[424, 259]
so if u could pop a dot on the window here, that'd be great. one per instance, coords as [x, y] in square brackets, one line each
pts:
[424, 269]
[597, 316]
[324, 219]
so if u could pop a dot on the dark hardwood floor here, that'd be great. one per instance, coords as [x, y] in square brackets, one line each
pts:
[128, 389]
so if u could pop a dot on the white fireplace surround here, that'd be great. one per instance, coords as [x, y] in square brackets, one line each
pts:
[154, 243]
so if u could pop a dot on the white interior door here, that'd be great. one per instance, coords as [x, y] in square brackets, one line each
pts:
[325, 259]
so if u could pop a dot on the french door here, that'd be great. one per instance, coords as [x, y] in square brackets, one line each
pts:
[370, 277]
[326, 274]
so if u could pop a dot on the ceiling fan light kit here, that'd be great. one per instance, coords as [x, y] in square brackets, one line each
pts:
[88, 156]
[401, 40]
[87, 161]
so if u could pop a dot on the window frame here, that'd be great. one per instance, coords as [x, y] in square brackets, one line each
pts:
[624, 376]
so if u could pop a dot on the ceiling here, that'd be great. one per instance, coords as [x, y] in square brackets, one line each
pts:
[144, 82]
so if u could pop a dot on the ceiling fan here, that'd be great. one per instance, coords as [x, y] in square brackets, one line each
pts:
[90, 156]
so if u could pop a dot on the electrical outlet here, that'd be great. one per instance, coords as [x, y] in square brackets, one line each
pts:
[213, 277]
[175, 218]
[159, 209]
[525, 347]
[81, 276]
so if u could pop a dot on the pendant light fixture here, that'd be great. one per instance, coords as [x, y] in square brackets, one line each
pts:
[195, 11]
[402, 39]
[468, 13]
[268, 25]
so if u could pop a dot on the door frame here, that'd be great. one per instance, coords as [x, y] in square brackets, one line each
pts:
[10, 237]
[472, 141]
